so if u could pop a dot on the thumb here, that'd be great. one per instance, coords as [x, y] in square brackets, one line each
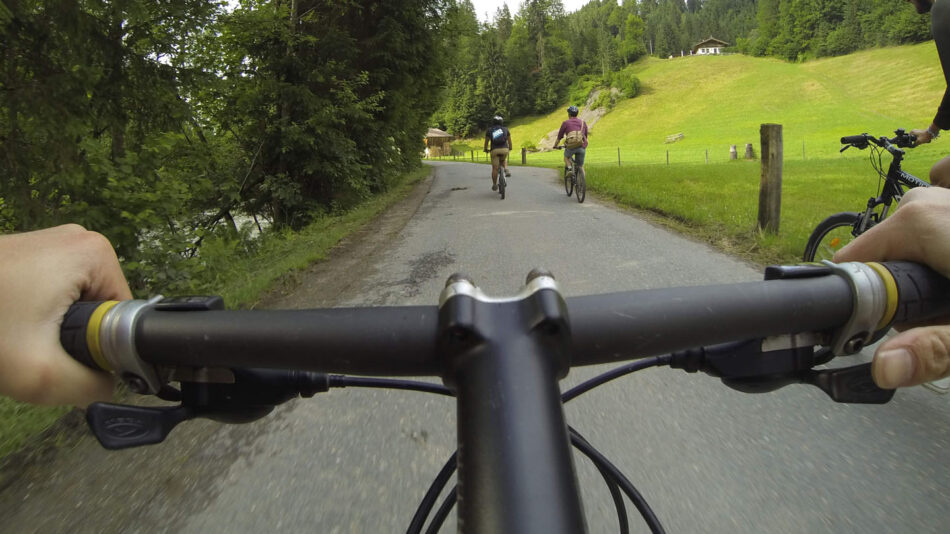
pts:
[913, 357]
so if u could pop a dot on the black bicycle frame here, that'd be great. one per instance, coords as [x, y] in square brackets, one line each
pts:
[892, 190]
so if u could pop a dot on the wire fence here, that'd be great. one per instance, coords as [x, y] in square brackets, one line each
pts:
[672, 155]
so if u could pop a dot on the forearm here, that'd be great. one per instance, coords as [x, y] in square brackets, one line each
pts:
[942, 120]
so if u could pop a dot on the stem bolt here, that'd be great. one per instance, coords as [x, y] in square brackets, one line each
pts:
[538, 272]
[458, 277]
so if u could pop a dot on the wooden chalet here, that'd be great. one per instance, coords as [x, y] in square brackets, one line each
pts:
[709, 46]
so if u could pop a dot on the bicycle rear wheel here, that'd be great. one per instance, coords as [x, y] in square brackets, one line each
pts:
[568, 183]
[581, 192]
[830, 236]
[502, 183]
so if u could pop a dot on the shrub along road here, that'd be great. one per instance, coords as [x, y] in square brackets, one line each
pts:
[708, 459]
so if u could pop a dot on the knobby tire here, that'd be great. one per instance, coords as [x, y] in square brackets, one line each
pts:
[830, 236]
[581, 186]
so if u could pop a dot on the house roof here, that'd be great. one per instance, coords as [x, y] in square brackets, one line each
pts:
[711, 41]
[435, 132]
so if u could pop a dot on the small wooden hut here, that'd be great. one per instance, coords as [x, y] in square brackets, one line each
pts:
[711, 46]
[438, 143]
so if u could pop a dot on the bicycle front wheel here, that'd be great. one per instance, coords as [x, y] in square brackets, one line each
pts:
[830, 236]
[568, 183]
[581, 192]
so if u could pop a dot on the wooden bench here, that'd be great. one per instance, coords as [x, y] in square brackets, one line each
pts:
[672, 138]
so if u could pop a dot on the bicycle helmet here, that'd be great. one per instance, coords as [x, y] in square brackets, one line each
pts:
[498, 119]
[572, 111]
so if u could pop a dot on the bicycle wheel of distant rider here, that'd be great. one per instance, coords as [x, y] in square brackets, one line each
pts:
[502, 184]
[568, 183]
[581, 186]
[830, 236]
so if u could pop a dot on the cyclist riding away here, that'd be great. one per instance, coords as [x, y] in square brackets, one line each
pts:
[940, 28]
[574, 132]
[498, 143]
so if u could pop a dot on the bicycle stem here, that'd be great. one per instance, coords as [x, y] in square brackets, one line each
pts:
[503, 358]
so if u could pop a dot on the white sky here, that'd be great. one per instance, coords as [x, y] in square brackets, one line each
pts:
[490, 6]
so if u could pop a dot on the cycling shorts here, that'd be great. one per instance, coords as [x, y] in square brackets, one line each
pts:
[580, 151]
[498, 156]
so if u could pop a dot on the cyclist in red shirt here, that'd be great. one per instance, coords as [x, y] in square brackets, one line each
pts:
[573, 124]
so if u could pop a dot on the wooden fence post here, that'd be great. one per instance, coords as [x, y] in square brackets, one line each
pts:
[749, 151]
[733, 153]
[667, 158]
[618, 157]
[770, 186]
[707, 155]
[524, 156]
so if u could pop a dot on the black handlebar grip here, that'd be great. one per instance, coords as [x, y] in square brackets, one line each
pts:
[852, 139]
[923, 294]
[72, 333]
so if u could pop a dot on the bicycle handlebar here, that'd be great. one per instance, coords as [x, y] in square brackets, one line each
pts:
[511, 350]
[402, 341]
[902, 139]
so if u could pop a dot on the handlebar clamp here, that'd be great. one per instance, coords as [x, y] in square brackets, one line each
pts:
[118, 340]
[870, 305]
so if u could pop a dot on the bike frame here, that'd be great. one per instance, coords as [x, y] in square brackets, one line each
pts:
[895, 183]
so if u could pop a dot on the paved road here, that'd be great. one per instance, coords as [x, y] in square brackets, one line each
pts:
[707, 458]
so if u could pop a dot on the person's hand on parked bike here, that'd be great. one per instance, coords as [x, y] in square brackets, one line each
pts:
[41, 274]
[925, 136]
[918, 231]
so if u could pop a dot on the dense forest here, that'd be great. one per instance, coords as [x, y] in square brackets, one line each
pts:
[159, 123]
[540, 57]
[165, 124]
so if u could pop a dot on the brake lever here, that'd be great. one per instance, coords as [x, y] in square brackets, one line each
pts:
[253, 394]
[850, 385]
[752, 367]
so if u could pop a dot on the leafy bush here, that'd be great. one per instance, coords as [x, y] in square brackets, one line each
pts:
[606, 99]
[529, 146]
[581, 89]
[628, 84]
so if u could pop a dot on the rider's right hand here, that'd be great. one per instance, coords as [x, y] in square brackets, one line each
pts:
[919, 231]
[923, 136]
[41, 274]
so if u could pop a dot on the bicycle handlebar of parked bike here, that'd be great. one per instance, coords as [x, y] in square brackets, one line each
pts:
[902, 139]
[515, 469]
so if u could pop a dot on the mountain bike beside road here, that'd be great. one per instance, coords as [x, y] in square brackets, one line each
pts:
[502, 359]
[839, 229]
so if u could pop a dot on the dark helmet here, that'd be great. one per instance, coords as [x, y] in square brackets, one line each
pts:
[497, 119]
[572, 111]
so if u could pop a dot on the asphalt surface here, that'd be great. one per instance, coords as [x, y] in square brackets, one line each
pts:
[707, 458]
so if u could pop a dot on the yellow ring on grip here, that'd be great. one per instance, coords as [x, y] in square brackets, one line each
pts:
[891, 287]
[92, 334]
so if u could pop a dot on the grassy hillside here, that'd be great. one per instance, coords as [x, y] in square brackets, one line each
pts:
[720, 101]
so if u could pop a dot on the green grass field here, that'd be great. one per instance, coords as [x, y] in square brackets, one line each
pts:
[716, 102]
